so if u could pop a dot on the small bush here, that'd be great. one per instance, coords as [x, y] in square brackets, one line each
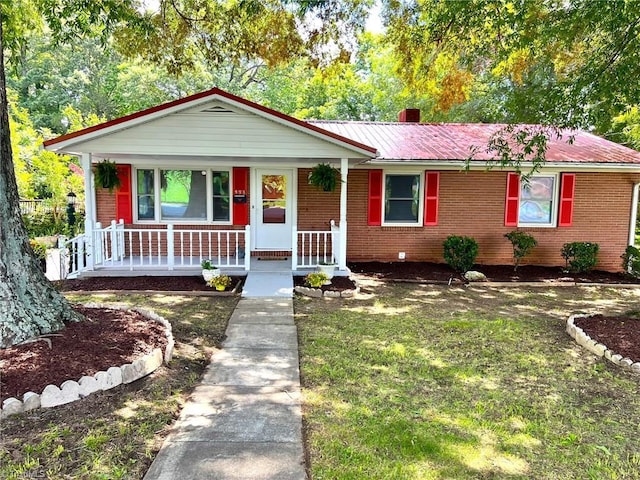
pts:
[460, 252]
[316, 280]
[522, 244]
[631, 261]
[580, 256]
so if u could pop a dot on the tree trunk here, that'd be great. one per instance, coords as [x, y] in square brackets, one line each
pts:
[29, 305]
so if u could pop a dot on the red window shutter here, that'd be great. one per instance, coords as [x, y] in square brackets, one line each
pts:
[374, 216]
[124, 208]
[567, 189]
[512, 200]
[431, 189]
[240, 187]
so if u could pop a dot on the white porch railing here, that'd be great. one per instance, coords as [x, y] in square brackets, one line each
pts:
[73, 256]
[156, 248]
[312, 247]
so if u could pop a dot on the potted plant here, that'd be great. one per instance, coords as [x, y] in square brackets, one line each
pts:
[209, 270]
[327, 268]
[316, 280]
[220, 282]
[324, 176]
[106, 175]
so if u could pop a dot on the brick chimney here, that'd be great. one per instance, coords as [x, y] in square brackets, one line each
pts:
[409, 115]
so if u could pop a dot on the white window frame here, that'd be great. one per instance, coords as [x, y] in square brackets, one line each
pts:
[555, 202]
[157, 203]
[421, 177]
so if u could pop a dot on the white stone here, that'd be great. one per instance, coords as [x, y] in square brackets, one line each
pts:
[571, 320]
[608, 354]
[141, 367]
[168, 352]
[599, 349]
[53, 396]
[626, 363]
[88, 385]
[635, 367]
[348, 293]
[11, 406]
[571, 330]
[31, 401]
[332, 294]
[473, 276]
[616, 358]
[109, 379]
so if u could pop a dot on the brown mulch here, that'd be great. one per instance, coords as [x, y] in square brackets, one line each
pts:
[619, 334]
[442, 273]
[338, 284]
[107, 338]
[155, 283]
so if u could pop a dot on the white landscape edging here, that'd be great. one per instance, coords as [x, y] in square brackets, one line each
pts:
[71, 391]
[599, 349]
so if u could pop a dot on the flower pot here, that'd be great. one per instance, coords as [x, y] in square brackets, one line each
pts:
[220, 288]
[327, 270]
[209, 274]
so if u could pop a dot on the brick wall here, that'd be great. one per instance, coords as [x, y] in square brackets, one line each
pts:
[472, 204]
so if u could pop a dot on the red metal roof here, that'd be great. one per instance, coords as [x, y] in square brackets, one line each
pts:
[454, 141]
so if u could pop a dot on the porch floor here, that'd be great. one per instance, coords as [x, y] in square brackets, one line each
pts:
[143, 266]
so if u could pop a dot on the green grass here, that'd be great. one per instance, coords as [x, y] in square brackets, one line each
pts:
[431, 382]
[115, 434]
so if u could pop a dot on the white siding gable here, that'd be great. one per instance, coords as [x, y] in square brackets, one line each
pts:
[215, 129]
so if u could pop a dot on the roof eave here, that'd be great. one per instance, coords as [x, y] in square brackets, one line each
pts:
[482, 164]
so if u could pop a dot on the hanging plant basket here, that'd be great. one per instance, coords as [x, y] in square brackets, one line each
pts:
[324, 176]
[106, 175]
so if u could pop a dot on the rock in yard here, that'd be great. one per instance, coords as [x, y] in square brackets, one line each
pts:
[473, 276]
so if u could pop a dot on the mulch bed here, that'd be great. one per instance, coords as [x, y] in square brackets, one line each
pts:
[442, 273]
[153, 283]
[338, 284]
[108, 338]
[620, 334]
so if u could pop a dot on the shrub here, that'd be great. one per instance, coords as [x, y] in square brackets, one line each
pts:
[631, 261]
[460, 252]
[580, 256]
[522, 244]
[316, 280]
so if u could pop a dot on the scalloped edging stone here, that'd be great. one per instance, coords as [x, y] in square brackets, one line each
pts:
[597, 348]
[318, 293]
[71, 391]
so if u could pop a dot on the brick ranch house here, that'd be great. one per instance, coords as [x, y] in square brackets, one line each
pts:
[216, 176]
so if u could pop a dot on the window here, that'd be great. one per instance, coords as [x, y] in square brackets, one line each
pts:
[537, 200]
[544, 201]
[402, 199]
[221, 210]
[183, 195]
[146, 198]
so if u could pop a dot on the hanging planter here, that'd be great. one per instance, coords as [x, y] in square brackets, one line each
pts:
[106, 175]
[324, 176]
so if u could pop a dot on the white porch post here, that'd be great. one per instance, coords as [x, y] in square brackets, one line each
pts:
[342, 254]
[634, 214]
[89, 210]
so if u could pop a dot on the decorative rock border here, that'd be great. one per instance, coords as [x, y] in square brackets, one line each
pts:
[71, 391]
[319, 293]
[599, 349]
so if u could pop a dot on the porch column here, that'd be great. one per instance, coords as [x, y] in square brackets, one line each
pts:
[89, 209]
[634, 214]
[342, 254]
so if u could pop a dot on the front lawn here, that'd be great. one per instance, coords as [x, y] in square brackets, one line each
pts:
[433, 382]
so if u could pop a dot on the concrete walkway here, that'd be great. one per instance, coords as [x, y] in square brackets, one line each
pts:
[244, 421]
